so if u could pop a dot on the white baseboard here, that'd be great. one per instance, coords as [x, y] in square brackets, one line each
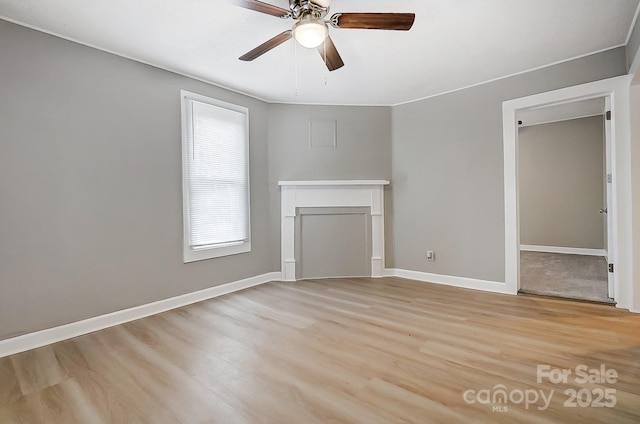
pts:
[565, 250]
[52, 335]
[449, 280]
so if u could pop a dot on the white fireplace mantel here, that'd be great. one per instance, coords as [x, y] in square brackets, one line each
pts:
[331, 193]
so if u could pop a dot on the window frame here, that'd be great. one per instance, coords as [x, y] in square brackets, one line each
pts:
[210, 252]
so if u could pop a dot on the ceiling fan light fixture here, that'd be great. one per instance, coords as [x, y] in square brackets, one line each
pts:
[310, 32]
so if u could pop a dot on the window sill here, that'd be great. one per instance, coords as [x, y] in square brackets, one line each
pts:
[192, 255]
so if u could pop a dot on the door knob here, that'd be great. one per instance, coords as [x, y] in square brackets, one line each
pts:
[604, 210]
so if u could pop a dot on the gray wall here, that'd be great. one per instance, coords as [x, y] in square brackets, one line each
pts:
[90, 169]
[635, 190]
[363, 151]
[634, 45]
[561, 183]
[448, 169]
[90, 184]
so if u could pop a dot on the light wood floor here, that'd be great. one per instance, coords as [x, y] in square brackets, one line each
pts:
[331, 351]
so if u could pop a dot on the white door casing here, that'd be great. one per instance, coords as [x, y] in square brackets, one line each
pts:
[620, 250]
[609, 216]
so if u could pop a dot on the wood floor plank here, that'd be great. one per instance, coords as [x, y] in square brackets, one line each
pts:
[106, 397]
[65, 403]
[19, 411]
[9, 386]
[353, 350]
[37, 369]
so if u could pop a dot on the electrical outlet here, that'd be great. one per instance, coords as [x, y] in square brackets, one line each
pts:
[431, 255]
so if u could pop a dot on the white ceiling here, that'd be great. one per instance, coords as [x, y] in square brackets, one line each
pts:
[453, 43]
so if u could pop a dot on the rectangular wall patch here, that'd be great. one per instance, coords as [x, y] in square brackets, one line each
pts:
[323, 134]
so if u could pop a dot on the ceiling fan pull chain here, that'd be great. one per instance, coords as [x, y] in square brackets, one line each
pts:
[326, 79]
[324, 46]
[295, 64]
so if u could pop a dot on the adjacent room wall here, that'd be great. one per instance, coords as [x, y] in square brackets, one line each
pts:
[90, 184]
[363, 151]
[448, 169]
[561, 183]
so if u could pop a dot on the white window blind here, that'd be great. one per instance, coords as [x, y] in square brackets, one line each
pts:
[215, 152]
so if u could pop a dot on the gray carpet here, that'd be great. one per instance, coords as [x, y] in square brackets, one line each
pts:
[569, 276]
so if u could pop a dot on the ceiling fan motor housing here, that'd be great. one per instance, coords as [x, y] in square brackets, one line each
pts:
[301, 8]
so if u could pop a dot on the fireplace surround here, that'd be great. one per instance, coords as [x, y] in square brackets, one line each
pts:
[331, 194]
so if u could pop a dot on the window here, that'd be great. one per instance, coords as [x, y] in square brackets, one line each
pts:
[215, 169]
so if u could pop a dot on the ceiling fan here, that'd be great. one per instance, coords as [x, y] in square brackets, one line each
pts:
[311, 30]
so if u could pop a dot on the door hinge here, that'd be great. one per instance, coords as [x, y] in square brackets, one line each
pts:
[609, 178]
[607, 115]
[610, 267]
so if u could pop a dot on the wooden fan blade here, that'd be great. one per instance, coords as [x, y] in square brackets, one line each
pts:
[259, 6]
[394, 21]
[267, 45]
[332, 58]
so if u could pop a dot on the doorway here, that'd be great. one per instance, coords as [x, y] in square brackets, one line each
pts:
[616, 94]
[563, 202]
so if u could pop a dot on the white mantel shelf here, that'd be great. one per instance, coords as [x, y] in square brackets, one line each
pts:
[331, 193]
[334, 183]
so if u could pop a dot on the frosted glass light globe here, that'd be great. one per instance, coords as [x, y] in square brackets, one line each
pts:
[310, 32]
